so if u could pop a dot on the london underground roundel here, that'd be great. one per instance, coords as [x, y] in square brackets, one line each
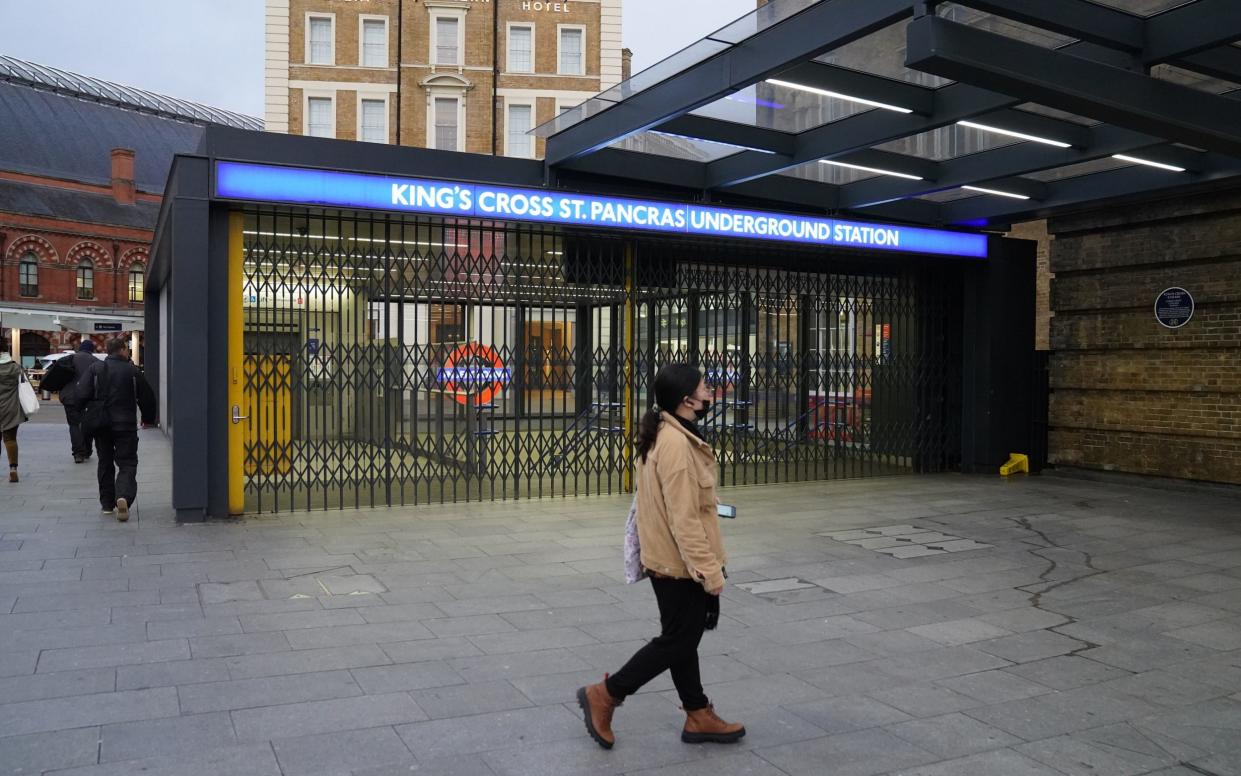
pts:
[474, 371]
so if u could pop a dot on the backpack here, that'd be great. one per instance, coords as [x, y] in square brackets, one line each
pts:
[96, 415]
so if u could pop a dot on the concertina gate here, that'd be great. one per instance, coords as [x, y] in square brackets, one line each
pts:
[395, 360]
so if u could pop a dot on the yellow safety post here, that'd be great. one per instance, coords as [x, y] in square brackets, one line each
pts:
[1017, 463]
[236, 365]
[629, 345]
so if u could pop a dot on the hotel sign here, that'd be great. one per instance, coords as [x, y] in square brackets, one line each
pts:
[268, 183]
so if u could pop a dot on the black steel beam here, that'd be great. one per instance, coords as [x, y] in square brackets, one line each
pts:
[816, 30]
[720, 131]
[1075, 18]
[1074, 84]
[1222, 62]
[1038, 125]
[652, 168]
[1191, 28]
[856, 133]
[1006, 161]
[853, 83]
[1098, 188]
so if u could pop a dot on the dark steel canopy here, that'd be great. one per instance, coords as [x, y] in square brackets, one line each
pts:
[976, 112]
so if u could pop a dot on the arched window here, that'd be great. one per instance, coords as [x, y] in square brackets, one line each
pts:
[28, 274]
[137, 276]
[86, 279]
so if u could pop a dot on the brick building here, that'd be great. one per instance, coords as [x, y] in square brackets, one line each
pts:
[82, 170]
[460, 75]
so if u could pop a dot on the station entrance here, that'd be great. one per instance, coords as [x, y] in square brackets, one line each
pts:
[393, 360]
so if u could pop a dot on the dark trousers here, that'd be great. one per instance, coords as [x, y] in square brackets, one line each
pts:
[683, 617]
[77, 440]
[118, 466]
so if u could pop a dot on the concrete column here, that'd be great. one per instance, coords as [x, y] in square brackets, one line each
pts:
[133, 349]
[15, 344]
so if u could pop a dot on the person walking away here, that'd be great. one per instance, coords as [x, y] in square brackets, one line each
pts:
[11, 413]
[125, 391]
[682, 554]
[82, 362]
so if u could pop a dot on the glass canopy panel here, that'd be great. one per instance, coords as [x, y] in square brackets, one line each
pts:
[882, 53]
[724, 38]
[1002, 26]
[827, 173]
[948, 142]
[780, 108]
[676, 146]
[1080, 169]
[1142, 7]
[1204, 83]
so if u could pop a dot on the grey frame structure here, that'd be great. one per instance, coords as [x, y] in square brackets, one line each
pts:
[187, 299]
[1104, 76]
[995, 80]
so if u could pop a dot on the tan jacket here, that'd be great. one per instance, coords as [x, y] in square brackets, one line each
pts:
[678, 527]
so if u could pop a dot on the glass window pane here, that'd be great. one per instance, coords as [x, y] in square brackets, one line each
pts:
[446, 50]
[29, 275]
[320, 41]
[136, 277]
[374, 43]
[374, 125]
[520, 122]
[948, 143]
[446, 124]
[520, 50]
[571, 52]
[86, 280]
[319, 120]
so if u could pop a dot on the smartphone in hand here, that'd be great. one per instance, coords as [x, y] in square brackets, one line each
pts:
[726, 510]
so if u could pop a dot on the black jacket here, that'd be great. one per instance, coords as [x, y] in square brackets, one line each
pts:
[126, 391]
[81, 363]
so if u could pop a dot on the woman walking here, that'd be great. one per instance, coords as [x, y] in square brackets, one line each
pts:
[11, 414]
[683, 555]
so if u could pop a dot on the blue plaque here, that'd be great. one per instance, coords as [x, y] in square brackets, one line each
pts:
[1174, 308]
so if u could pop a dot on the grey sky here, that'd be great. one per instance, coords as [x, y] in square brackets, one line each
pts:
[211, 51]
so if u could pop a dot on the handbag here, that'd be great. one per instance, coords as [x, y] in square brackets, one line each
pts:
[27, 397]
[95, 415]
[633, 549]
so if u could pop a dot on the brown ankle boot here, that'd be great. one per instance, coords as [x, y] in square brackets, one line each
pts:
[597, 706]
[704, 726]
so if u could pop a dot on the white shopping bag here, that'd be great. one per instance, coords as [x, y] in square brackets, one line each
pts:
[27, 397]
[633, 550]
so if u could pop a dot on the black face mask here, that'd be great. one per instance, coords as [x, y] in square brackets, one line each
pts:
[702, 412]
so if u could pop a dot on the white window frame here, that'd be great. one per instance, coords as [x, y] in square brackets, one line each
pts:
[319, 94]
[362, 20]
[560, 28]
[375, 97]
[306, 58]
[508, 48]
[455, 94]
[509, 104]
[433, 54]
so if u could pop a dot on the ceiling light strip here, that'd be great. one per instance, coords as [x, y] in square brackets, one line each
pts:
[838, 96]
[995, 192]
[875, 170]
[1012, 133]
[1148, 163]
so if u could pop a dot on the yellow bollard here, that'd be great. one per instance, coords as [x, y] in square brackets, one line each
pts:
[1016, 463]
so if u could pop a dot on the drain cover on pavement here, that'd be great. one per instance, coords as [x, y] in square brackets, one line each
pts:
[905, 541]
[774, 586]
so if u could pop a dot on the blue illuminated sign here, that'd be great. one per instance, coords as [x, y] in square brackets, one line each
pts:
[266, 183]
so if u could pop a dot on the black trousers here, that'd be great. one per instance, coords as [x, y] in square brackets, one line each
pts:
[78, 441]
[683, 617]
[118, 466]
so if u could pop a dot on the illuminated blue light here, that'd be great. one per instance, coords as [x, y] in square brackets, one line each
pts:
[265, 183]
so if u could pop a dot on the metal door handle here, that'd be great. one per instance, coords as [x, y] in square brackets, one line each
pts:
[237, 416]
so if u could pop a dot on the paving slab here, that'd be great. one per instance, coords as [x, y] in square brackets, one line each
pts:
[450, 639]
